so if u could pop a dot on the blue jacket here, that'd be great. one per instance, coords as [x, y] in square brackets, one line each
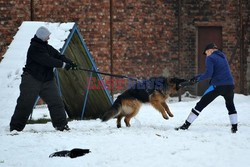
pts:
[217, 69]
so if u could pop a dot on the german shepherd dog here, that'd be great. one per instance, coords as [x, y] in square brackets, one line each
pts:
[154, 91]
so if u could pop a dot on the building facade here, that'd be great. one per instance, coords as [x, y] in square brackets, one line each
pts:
[146, 38]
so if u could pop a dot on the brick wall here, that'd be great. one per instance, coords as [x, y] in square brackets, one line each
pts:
[246, 51]
[145, 33]
[92, 18]
[11, 16]
[144, 38]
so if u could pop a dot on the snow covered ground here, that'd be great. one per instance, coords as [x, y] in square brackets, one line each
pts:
[150, 141]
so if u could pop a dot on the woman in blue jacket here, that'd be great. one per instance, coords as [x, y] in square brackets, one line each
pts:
[221, 83]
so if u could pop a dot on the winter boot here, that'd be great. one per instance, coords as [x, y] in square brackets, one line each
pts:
[62, 128]
[234, 128]
[185, 126]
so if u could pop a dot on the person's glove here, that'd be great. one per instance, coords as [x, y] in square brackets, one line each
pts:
[74, 66]
[68, 66]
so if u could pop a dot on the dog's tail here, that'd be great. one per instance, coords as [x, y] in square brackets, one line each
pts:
[113, 111]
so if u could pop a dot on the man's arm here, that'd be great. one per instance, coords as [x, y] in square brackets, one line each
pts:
[59, 56]
[42, 57]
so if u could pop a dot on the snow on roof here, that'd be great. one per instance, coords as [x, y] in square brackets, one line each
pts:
[15, 57]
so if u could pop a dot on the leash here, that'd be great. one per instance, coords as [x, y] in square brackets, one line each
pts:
[103, 73]
[182, 85]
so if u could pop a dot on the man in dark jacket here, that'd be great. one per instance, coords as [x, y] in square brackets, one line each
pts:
[221, 83]
[38, 80]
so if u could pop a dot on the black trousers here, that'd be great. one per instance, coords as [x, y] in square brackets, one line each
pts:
[30, 89]
[227, 91]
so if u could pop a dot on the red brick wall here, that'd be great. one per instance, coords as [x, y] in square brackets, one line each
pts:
[144, 38]
[92, 18]
[246, 47]
[214, 13]
[145, 32]
[11, 16]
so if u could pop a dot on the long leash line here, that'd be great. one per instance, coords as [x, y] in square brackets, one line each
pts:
[182, 85]
[103, 73]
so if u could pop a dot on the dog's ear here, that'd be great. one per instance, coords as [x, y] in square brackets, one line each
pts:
[177, 82]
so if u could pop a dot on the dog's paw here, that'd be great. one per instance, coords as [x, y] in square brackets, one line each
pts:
[171, 115]
[166, 117]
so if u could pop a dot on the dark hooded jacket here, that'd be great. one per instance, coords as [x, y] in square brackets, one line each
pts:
[42, 58]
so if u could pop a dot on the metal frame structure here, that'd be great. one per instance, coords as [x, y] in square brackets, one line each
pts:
[75, 30]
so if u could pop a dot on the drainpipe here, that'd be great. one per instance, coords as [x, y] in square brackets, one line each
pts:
[179, 44]
[242, 78]
[179, 35]
[111, 40]
[31, 10]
